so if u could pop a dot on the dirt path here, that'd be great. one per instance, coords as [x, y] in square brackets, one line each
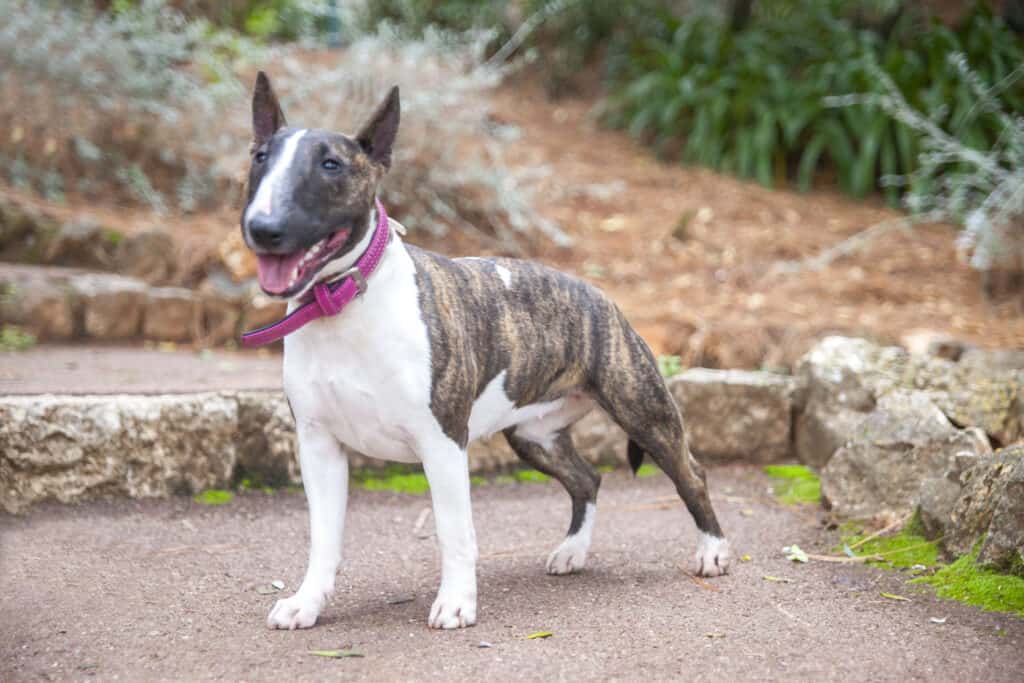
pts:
[166, 590]
[133, 370]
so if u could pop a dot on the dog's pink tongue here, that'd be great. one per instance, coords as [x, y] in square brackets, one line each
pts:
[276, 271]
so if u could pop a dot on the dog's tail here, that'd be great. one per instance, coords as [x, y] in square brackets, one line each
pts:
[635, 455]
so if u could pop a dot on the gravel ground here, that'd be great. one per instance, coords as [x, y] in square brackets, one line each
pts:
[167, 590]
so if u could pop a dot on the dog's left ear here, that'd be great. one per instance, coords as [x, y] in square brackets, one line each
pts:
[267, 116]
[378, 134]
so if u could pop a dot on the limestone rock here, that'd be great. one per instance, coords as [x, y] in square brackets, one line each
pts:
[112, 304]
[81, 243]
[735, 414]
[69, 448]
[904, 444]
[262, 310]
[24, 232]
[991, 504]
[267, 445]
[171, 314]
[37, 300]
[150, 256]
[844, 378]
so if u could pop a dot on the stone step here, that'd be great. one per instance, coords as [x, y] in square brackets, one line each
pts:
[59, 304]
[83, 423]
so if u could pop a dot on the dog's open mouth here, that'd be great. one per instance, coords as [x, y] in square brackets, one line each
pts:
[286, 274]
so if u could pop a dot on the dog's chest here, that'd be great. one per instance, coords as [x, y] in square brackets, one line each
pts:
[364, 375]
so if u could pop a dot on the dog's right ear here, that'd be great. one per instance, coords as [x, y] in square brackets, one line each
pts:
[267, 116]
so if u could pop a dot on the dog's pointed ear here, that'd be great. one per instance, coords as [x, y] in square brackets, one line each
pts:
[378, 134]
[267, 116]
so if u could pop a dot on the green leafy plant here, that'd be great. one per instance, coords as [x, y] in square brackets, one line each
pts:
[669, 366]
[752, 101]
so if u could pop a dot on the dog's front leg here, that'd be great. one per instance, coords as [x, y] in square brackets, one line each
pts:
[325, 479]
[447, 469]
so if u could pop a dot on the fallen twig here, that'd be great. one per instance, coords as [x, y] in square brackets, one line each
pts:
[701, 582]
[881, 532]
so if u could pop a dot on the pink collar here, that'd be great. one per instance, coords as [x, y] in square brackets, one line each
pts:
[329, 297]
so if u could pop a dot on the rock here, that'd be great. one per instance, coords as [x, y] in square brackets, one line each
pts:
[112, 304]
[24, 232]
[836, 399]
[898, 448]
[81, 243]
[150, 256]
[844, 377]
[267, 446]
[993, 360]
[735, 414]
[69, 448]
[491, 454]
[37, 300]
[599, 440]
[171, 314]
[925, 342]
[991, 505]
[222, 311]
[262, 310]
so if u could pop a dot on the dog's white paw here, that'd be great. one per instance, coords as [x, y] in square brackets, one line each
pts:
[295, 612]
[570, 556]
[452, 611]
[712, 558]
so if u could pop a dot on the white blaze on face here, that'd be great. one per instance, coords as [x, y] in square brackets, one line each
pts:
[263, 201]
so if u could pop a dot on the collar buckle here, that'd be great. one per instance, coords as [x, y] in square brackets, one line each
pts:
[354, 273]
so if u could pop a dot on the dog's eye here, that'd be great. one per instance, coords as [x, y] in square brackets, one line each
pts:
[260, 157]
[330, 165]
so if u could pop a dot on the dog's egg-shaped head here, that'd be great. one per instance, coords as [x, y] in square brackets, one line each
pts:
[311, 192]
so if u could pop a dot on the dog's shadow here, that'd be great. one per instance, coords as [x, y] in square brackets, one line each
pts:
[501, 590]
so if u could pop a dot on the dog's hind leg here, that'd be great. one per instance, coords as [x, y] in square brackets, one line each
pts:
[580, 479]
[631, 390]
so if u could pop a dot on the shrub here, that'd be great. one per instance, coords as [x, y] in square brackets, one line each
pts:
[448, 167]
[751, 101]
[115, 105]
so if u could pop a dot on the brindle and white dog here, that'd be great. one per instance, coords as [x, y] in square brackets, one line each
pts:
[435, 353]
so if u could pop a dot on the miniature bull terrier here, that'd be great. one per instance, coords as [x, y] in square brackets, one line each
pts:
[406, 355]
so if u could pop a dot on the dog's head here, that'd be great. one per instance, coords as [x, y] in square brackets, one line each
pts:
[310, 192]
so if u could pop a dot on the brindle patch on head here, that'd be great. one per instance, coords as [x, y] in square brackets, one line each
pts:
[321, 182]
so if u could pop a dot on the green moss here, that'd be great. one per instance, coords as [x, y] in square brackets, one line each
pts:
[15, 339]
[214, 497]
[965, 582]
[530, 475]
[477, 481]
[903, 550]
[794, 484]
[647, 471]
[393, 479]
[669, 366]
[605, 469]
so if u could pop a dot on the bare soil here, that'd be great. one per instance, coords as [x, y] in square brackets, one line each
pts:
[691, 256]
[167, 590]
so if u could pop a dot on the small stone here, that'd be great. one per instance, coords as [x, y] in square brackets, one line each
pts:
[113, 304]
[278, 584]
[171, 314]
[484, 643]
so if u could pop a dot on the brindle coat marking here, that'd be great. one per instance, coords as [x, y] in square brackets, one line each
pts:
[450, 330]
[553, 335]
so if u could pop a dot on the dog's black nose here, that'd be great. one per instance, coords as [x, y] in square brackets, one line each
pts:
[266, 232]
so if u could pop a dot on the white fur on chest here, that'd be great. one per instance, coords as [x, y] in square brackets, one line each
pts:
[365, 374]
